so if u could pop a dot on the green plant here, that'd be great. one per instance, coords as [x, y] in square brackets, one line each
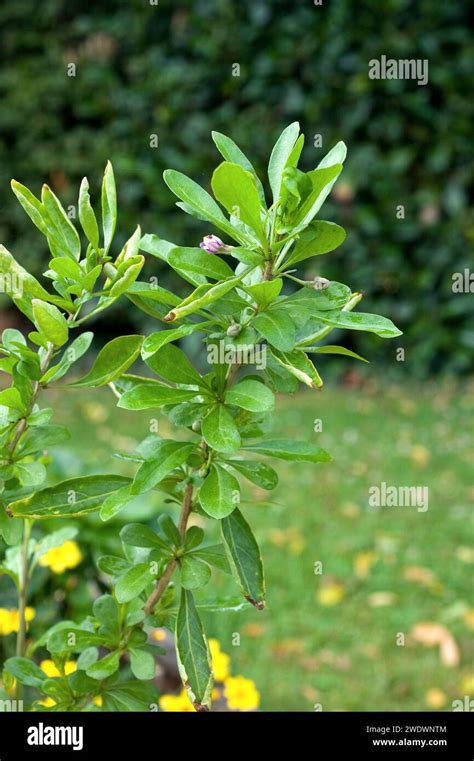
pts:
[219, 417]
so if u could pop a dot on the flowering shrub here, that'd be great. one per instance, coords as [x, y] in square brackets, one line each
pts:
[219, 417]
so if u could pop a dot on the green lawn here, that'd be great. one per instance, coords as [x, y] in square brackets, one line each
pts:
[384, 570]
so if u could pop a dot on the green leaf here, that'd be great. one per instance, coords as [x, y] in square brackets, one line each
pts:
[30, 474]
[156, 341]
[199, 299]
[138, 535]
[112, 361]
[322, 181]
[104, 667]
[194, 658]
[71, 354]
[244, 558]
[70, 498]
[198, 199]
[10, 397]
[231, 152]
[194, 537]
[173, 365]
[63, 237]
[199, 262]
[128, 696]
[26, 671]
[33, 207]
[265, 293]
[24, 287]
[71, 639]
[106, 611]
[306, 302]
[109, 206]
[122, 284]
[279, 157]
[288, 449]
[214, 555]
[50, 322]
[220, 492]
[336, 155]
[327, 349]
[236, 189]
[220, 430]
[259, 473]
[169, 455]
[133, 582]
[195, 573]
[87, 216]
[170, 530]
[298, 364]
[371, 323]
[142, 663]
[153, 395]
[162, 250]
[318, 238]
[251, 395]
[42, 438]
[277, 327]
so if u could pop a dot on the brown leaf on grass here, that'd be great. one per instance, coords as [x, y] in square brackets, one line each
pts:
[430, 634]
[253, 629]
[288, 647]
[419, 575]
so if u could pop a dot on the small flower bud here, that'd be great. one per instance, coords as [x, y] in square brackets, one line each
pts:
[320, 282]
[234, 329]
[212, 244]
[196, 426]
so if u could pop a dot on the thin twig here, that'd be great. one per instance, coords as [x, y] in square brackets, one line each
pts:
[165, 579]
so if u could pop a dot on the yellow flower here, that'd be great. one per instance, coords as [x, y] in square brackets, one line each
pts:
[159, 635]
[241, 694]
[51, 670]
[176, 703]
[467, 685]
[468, 618]
[47, 702]
[435, 698]
[10, 620]
[97, 700]
[60, 558]
[363, 563]
[220, 661]
[330, 594]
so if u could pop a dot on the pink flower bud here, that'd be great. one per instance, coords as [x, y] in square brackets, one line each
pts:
[212, 244]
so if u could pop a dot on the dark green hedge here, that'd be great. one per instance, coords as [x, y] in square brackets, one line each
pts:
[167, 70]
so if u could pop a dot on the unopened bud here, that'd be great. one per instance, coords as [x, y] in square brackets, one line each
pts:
[196, 426]
[234, 329]
[319, 283]
[212, 244]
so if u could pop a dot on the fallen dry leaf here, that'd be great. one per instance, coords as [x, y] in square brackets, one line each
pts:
[430, 634]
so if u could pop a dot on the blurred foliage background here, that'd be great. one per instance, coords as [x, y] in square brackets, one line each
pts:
[166, 70]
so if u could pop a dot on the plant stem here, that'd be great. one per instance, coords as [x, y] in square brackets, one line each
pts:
[23, 589]
[169, 570]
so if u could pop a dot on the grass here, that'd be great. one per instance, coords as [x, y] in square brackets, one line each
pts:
[332, 639]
